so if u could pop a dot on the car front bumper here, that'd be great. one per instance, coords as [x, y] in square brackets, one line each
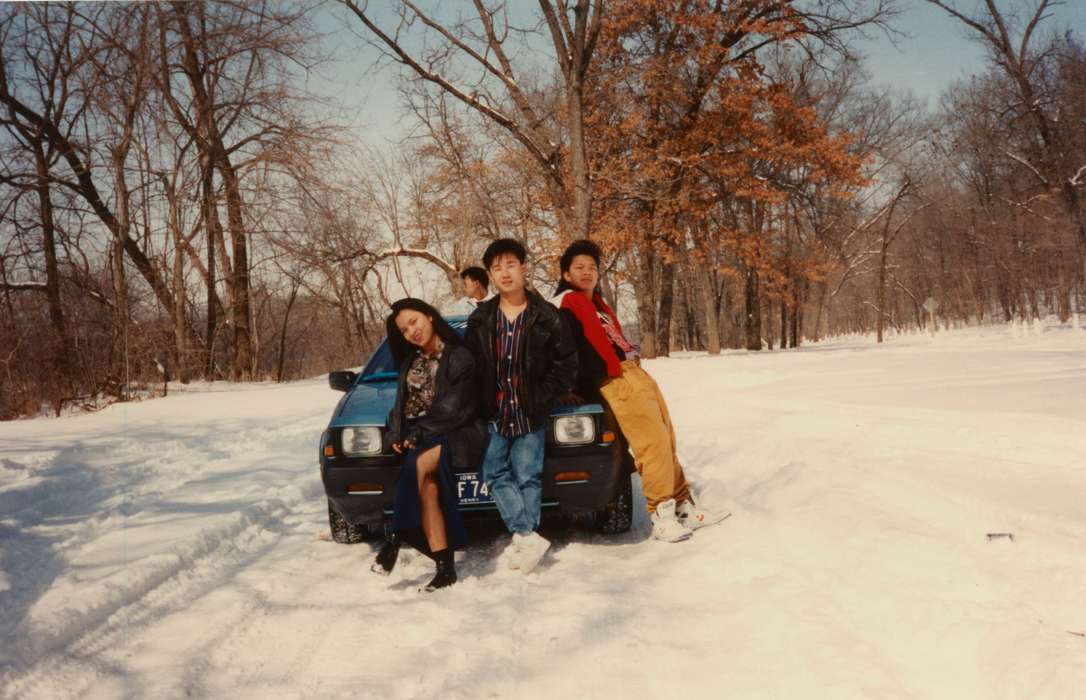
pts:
[362, 488]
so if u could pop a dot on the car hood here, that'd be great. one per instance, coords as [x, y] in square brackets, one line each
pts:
[367, 403]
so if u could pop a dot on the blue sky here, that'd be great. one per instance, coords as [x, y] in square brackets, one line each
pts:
[937, 50]
[935, 53]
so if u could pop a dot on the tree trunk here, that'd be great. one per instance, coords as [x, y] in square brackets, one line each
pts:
[582, 192]
[712, 323]
[646, 302]
[767, 322]
[784, 324]
[120, 285]
[667, 301]
[797, 313]
[211, 232]
[818, 314]
[977, 288]
[214, 154]
[754, 312]
[1005, 303]
[180, 323]
[241, 317]
[283, 332]
[880, 298]
[61, 350]
[1063, 297]
[608, 291]
[120, 320]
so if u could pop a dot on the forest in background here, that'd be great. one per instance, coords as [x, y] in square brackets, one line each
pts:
[176, 202]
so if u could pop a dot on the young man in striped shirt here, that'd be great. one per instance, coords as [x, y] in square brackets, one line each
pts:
[525, 360]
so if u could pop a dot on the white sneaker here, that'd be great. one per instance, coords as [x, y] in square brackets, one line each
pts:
[694, 517]
[530, 550]
[511, 554]
[666, 526]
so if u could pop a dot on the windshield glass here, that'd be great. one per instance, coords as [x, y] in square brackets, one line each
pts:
[381, 367]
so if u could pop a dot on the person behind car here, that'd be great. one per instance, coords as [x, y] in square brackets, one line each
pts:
[476, 290]
[434, 424]
[610, 368]
[526, 362]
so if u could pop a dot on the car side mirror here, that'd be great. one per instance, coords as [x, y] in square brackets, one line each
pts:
[341, 380]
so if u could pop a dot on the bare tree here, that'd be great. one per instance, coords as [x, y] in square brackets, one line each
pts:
[1012, 42]
[495, 89]
[236, 105]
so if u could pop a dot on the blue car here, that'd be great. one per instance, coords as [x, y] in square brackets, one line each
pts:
[586, 471]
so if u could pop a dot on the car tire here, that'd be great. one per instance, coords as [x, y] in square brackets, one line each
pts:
[616, 517]
[344, 532]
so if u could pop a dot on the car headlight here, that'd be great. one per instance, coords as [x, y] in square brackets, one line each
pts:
[574, 430]
[360, 441]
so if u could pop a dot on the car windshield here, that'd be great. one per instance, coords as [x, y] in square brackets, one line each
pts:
[381, 366]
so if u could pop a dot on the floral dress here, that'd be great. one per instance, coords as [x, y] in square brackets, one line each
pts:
[421, 383]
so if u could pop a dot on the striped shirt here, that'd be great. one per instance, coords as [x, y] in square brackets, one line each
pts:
[510, 419]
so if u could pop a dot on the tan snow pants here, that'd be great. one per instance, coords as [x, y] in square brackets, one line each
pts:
[641, 411]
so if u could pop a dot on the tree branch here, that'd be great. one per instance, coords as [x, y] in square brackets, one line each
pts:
[498, 117]
[1079, 179]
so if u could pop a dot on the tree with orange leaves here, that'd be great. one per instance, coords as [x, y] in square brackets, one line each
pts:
[687, 126]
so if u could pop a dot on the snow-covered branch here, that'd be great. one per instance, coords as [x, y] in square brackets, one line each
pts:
[1025, 205]
[422, 253]
[1022, 161]
[397, 252]
[1079, 179]
[23, 286]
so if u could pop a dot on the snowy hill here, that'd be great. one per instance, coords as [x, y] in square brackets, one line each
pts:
[168, 548]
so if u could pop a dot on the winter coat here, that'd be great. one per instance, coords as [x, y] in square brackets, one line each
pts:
[548, 362]
[597, 357]
[454, 412]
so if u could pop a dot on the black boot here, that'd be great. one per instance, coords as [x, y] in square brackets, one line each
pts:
[446, 571]
[386, 558]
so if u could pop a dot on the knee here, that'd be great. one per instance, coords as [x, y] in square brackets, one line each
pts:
[427, 461]
[495, 467]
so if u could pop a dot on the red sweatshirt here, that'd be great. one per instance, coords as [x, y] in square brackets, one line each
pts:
[586, 312]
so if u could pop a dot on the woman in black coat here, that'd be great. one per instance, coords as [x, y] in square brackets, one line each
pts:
[435, 425]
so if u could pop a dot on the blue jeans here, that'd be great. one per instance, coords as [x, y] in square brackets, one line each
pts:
[513, 471]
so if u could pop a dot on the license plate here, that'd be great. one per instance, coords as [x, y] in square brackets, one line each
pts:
[470, 489]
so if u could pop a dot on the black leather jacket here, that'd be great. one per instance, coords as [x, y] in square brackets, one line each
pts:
[591, 369]
[549, 362]
[453, 414]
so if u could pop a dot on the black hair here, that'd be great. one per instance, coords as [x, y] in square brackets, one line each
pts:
[580, 247]
[400, 346]
[501, 247]
[476, 273]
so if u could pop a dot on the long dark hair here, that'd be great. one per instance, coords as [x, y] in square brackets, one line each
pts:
[400, 346]
[581, 247]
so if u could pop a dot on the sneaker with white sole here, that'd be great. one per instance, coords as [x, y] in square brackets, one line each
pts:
[666, 525]
[530, 550]
[511, 554]
[693, 516]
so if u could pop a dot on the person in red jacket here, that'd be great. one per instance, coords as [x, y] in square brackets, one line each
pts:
[610, 368]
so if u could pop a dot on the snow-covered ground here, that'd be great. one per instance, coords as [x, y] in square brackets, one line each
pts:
[169, 548]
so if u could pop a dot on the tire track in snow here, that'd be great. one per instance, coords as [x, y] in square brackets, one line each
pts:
[56, 623]
[183, 575]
